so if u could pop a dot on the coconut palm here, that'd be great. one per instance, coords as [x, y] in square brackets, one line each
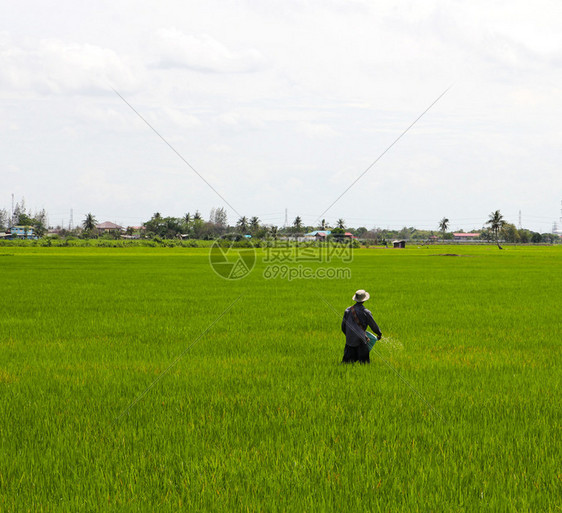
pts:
[443, 225]
[297, 224]
[242, 224]
[341, 224]
[496, 222]
[254, 224]
[90, 222]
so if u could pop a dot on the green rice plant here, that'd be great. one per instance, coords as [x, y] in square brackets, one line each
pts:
[119, 391]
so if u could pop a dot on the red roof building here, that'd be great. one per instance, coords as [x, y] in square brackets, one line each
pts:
[465, 236]
[108, 227]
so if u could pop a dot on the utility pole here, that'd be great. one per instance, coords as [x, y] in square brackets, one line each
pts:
[12, 215]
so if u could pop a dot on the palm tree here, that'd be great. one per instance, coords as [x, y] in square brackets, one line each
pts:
[197, 216]
[187, 223]
[443, 225]
[323, 225]
[341, 224]
[90, 222]
[242, 224]
[496, 222]
[273, 232]
[254, 224]
[297, 224]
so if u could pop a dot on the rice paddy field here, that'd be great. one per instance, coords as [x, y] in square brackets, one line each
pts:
[137, 379]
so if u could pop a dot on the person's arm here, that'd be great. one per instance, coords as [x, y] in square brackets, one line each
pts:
[344, 322]
[372, 324]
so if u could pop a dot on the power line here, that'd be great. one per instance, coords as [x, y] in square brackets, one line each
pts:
[384, 152]
[175, 151]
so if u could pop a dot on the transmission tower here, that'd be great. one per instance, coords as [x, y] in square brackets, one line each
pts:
[555, 228]
[520, 225]
[71, 222]
[286, 219]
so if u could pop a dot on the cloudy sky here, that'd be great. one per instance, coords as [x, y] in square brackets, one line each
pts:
[282, 104]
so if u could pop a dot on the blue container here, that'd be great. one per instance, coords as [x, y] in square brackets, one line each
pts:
[372, 340]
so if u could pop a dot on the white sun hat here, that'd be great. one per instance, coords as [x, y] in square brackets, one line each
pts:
[361, 295]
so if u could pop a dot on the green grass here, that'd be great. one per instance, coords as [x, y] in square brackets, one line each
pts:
[459, 410]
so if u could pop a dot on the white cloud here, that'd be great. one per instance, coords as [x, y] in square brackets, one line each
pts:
[52, 66]
[238, 121]
[317, 130]
[200, 52]
[273, 100]
[176, 117]
[220, 148]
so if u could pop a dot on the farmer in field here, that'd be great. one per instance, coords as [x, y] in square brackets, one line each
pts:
[355, 321]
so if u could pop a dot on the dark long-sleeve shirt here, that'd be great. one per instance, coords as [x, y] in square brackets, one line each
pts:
[354, 334]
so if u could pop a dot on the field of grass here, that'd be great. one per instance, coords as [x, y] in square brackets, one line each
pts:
[459, 410]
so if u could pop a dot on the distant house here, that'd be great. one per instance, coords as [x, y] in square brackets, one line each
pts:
[322, 234]
[22, 232]
[108, 227]
[53, 232]
[465, 236]
[317, 235]
[398, 243]
[134, 232]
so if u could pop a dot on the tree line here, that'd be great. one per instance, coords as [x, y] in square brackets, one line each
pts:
[193, 226]
[497, 229]
[21, 216]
